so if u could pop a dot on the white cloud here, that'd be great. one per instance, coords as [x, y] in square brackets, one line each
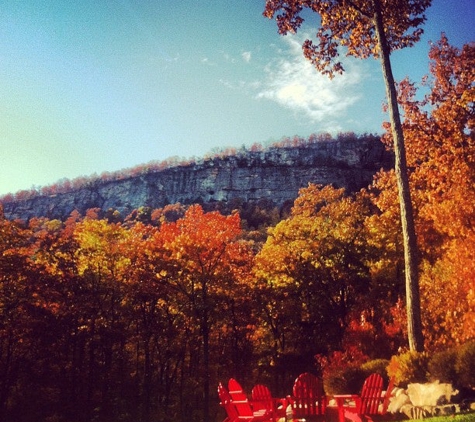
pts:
[228, 58]
[207, 62]
[246, 56]
[291, 81]
[228, 84]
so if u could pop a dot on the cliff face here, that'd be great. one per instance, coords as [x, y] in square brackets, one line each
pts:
[276, 174]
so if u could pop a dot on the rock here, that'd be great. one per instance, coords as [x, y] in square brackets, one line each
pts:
[275, 174]
[407, 410]
[397, 401]
[430, 394]
[444, 410]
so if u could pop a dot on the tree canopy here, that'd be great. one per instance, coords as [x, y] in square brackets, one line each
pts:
[369, 28]
[350, 24]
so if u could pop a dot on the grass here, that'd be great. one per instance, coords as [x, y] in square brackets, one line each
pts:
[466, 417]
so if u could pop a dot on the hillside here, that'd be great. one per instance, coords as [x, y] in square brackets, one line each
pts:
[275, 174]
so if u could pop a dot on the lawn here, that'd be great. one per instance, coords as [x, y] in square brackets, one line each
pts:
[467, 417]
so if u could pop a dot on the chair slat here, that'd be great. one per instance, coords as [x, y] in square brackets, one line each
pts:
[308, 398]
[242, 406]
[371, 402]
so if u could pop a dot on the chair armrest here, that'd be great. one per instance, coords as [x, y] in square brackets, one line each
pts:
[343, 402]
[347, 401]
[281, 402]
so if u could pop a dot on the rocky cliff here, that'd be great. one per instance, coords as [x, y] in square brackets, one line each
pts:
[274, 174]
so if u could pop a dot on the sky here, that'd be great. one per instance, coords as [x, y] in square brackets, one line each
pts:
[98, 86]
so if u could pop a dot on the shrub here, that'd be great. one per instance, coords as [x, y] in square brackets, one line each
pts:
[378, 366]
[344, 381]
[339, 360]
[408, 367]
[441, 367]
[465, 365]
[341, 371]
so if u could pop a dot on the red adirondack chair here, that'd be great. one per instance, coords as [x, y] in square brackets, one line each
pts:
[308, 400]
[225, 402]
[372, 402]
[242, 406]
[262, 399]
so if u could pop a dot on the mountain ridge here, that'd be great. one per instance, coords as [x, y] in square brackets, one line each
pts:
[275, 174]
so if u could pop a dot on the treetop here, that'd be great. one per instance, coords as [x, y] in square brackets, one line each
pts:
[350, 24]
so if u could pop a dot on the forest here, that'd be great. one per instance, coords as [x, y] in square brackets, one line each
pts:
[104, 318]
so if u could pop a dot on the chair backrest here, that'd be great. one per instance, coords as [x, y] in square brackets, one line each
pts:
[308, 398]
[371, 395]
[262, 398]
[239, 398]
[226, 402]
[235, 390]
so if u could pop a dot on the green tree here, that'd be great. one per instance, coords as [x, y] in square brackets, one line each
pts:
[102, 264]
[369, 28]
[315, 263]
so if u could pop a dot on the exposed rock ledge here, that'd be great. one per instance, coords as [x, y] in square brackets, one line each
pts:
[275, 174]
[420, 401]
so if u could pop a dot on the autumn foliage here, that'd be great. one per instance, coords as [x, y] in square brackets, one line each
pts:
[349, 24]
[440, 145]
[369, 28]
[137, 319]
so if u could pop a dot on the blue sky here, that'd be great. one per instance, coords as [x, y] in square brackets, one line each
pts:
[92, 86]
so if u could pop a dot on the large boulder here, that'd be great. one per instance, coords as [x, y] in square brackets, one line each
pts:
[398, 399]
[430, 394]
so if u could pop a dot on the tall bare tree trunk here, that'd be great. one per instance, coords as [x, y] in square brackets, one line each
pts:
[416, 340]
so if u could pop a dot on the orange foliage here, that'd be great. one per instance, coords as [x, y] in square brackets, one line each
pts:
[441, 150]
[350, 24]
